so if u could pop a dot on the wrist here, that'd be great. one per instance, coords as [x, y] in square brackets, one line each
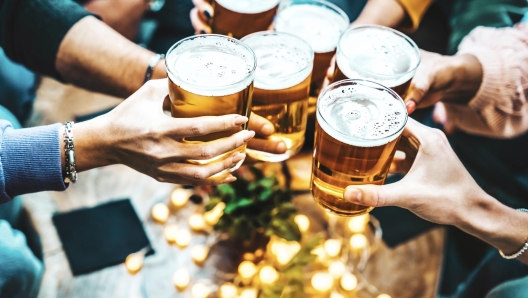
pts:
[467, 76]
[92, 148]
[159, 71]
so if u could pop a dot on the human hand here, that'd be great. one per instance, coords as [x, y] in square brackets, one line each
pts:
[436, 187]
[200, 16]
[138, 134]
[264, 140]
[444, 78]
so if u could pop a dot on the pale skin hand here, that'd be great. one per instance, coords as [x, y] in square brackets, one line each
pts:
[138, 134]
[200, 16]
[438, 188]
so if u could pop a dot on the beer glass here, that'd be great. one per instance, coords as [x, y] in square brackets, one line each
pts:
[211, 75]
[358, 124]
[318, 22]
[238, 18]
[379, 54]
[282, 84]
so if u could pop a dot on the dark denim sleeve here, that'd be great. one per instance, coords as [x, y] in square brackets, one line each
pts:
[31, 31]
[30, 160]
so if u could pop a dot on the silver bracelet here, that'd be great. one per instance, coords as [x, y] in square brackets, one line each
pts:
[522, 250]
[69, 153]
[152, 63]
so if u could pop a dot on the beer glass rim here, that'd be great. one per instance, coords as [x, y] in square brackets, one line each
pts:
[231, 39]
[380, 27]
[286, 3]
[271, 32]
[370, 84]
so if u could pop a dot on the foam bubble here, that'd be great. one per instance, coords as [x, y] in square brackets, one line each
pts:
[377, 54]
[248, 6]
[211, 65]
[283, 60]
[321, 27]
[361, 115]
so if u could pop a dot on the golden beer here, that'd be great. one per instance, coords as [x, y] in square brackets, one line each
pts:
[358, 125]
[238, 18]
[211, 75]
[379, 54]
[320, 24]
[282, 84]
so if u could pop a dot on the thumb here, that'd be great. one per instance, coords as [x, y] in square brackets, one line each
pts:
[375, 195]
[417, 91]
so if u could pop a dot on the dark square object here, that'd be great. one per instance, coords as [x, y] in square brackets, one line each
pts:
[101, 236]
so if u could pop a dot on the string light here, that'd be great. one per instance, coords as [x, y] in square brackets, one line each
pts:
[200, 290]
[322, 281]
[383, 296]
[320, 252]
[358, 242]
[171, 231]
[247, 269]
[332, 247]
[197, 222]
[337, 269]
[336, 295]
[302, 221]
[160, 212]
[348, 282]
[213, 216]
[181, 279]
[199, 254]
[249, 293]
[228, 290]
[134, 262]
[182, 238]
[268, 275]
[179, 197]
[358, 224]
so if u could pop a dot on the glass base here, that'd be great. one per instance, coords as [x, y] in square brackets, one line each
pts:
[269, 157]
[339, 212]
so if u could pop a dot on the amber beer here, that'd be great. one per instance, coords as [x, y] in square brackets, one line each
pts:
[320, 24]
[211, 75]
[238, 18]
[282, 84]
[358, 125]
[379, 54]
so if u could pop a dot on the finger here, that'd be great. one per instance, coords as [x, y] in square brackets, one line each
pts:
[400, 163]
[270, 145]
[212, 149]
[155, 90]
[260, 125]
[199, 126]
[201, 172]
[198, 22]
[220, 179]
[377, 195]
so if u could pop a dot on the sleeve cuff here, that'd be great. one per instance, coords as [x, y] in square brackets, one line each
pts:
[31, 160]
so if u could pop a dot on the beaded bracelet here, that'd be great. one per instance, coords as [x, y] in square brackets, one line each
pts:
[69, 153]
[522, 250]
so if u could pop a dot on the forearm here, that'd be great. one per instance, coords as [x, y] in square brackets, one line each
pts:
[94, 56]
[502, 227]
[388, 13]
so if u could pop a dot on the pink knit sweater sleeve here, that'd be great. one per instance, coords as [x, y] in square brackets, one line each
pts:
[499, 109]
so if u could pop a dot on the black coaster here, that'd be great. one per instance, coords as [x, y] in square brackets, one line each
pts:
[99, 237]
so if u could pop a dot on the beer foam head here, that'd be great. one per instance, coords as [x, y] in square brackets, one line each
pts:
[248, 6]
[320, 24]
[211, 65]
[377, 53]
[361, 113]
[283, 60]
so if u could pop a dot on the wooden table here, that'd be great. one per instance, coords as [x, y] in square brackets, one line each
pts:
[410, 270]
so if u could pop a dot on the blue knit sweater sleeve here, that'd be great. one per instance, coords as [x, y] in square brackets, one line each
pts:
[30, 160]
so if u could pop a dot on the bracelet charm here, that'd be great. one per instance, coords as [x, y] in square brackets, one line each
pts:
[69, 154]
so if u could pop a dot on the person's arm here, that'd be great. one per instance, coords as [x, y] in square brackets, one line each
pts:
[400, 14]
[438, 188]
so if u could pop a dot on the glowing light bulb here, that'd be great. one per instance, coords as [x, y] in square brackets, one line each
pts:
[332, 247]
[358, 242]
[247, 269]
[336, 295]
[199, 254]
[160, 212]
[320, 252]
[134, 262]
[181, 279]
[383, 296]
[358, 224]
[197, 222]
[170, 232]
[302, 221]
[182, 238]
[211, 217]
[249, 293]
[228, 290]
[268, 275]
[179, 197]
[200, 290]
[322, 281]
[348, 282]
[337, 269]
[259, 253]
[287, 251]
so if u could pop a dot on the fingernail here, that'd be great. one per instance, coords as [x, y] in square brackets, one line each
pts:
[239, 120]
[248, 134]
[207, 14]
[203, 32]
[281, 147]
[267, 129]
[411, 106]
[352, 195]
[229, 179]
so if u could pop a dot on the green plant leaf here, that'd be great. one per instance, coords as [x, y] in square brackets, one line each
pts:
[286, 229]
[265, 195]
[273, 291]
[304, 256]
[226, 192]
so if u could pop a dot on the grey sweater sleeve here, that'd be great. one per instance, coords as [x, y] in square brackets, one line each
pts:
[30, 160]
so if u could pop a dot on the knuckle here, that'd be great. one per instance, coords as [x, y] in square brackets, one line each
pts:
[199, 174]
[206, 152]
[197, 128]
